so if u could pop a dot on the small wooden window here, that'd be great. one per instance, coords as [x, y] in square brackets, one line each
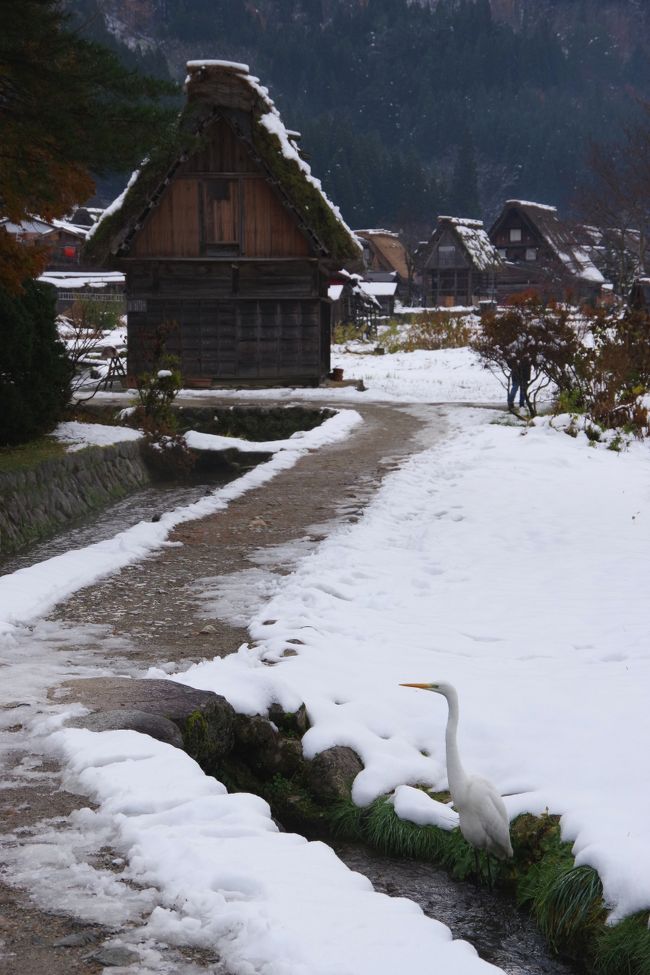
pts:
[531, 253]
[220, 217]
[515, 235]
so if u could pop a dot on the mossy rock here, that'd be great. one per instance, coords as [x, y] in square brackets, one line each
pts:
[331, 774]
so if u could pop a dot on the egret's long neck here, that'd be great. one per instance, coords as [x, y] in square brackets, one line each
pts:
[455, 771]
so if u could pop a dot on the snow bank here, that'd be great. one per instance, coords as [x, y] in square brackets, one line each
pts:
[80, 435]
[229, 881]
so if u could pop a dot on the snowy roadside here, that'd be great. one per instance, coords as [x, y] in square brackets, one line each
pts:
[445, 376]
[512, 563]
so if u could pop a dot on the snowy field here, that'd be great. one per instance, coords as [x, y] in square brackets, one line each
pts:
[511, 561]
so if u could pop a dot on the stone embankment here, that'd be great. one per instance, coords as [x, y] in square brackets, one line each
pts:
[36, 502]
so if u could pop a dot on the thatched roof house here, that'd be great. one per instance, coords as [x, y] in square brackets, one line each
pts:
[384, 252]
[226, 237]
[543, 253]
[459, 263]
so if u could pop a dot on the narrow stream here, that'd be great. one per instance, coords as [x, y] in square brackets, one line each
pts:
[144, 505]
[490, 921]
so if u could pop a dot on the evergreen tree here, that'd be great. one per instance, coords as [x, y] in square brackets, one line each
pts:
[34, 370]
[67, 109]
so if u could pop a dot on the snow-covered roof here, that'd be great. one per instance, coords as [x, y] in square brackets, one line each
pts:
[529, 203]
[334, 291]
[387, 249]
[562, 239]
[473, 238]
[71, 228]
[82, 279]
[228, 65]
[379, 288]
[228, 86]
[383, 233]
[464, 222]
[359, 286]
[32, 226]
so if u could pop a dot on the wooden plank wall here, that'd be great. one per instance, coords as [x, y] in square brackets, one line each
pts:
[238, 339]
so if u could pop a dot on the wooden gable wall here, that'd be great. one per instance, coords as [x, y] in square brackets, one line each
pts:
[220, 204]
[456, 258]
[531, 237]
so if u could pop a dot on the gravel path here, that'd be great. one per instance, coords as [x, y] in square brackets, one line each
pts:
[153, 613]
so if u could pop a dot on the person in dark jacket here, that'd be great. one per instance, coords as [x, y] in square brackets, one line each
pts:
[519, 380]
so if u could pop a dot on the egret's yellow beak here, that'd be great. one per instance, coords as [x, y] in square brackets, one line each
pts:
[424, 687]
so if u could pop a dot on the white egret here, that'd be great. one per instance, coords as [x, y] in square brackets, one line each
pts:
[482, 815]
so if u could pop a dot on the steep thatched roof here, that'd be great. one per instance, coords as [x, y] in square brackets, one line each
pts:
[473, 239]
[389, 250]
[560, 237]
[222, 90]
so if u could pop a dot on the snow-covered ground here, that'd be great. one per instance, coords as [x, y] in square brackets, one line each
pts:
[508, 560]
[447, 376]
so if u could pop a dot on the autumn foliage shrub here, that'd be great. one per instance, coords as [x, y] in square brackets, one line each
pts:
[615, 370]
[597, 363]
[543, 336]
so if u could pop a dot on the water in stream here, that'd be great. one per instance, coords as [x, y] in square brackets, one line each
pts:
[491, 922]
[142, 505]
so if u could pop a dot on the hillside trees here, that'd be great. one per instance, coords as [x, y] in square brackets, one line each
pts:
[68, 109]
[416, 76]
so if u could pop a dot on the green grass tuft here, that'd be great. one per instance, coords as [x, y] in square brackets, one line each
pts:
[624, 948]
[387, 832]
[569, 903]
[346, 821]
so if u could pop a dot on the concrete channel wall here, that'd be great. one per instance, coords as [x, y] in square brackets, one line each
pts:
[36, 502]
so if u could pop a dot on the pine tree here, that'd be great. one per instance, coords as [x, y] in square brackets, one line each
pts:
[67, 109]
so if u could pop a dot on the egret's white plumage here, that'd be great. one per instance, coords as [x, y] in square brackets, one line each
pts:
[482, 815]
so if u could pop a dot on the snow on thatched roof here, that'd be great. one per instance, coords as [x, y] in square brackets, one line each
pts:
[473, 238]
[223, 88]
[529, 203]
[561, 238]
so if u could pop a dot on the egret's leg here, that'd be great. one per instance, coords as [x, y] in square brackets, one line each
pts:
[477, 865]
[489, 872]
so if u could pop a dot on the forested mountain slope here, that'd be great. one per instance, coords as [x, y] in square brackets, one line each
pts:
[410, 109]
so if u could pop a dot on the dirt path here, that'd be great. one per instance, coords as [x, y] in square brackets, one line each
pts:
[152, 614]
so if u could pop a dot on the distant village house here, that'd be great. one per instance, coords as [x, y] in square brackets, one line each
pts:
[459, 264]
[543, 254]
